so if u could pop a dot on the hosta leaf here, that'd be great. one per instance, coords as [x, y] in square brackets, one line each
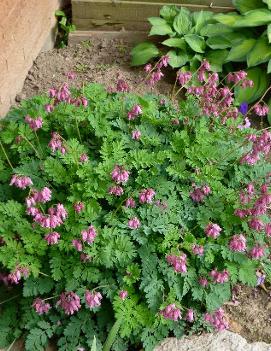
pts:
[269, 33]
[228, 19]
[218, 42]
[200, 18]
[196, 42]
[254, 18]
[182, 22]
[216, 58]
[143, 52]
[159, 26]
[260, 53]
[244, 6]
[250, 95]
[239, 52]
[211, 30]
[268, 3]
[269, 67]
[175, 43]
[177, 59]
[168, 13]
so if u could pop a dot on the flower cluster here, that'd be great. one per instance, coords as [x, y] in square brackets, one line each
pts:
[212, 230]
[89, 235]
[40, 306]
[199, 193]
[56, 143]
[178, 262]
[21, 182]
[120, 175]
[34, 124]
[134, 112]
[261, 145]
[217, 319]
[146, 196]
[93, 299]
[171, 312]
[219, 277]
[69, 302]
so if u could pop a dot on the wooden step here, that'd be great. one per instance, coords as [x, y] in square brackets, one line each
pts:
[132, 15]
[132, 37]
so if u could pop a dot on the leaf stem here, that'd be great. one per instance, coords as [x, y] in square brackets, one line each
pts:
[31, 145]
[9, 299]
[10, 346]
[112, 335]
[4, 152]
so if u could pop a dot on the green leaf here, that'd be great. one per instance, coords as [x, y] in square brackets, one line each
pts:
[211, 30]
[201, 18]
[269, 33]
[216, 58]
[182, 22]
[269, 113]
[240, 51]
[254, 18]
[159, 26]
[269, 67]
[247, 273]
[94, 344]
[228, 19]
[259, 77]
[244, 6]
[268, 2]
[196, 42]
[260, 53]
[60, 13]
[218, 42]
[177, 59]
[168, 13]
[143, 52]
[175, 43]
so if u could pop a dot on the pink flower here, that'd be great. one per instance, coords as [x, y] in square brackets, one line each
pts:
[16, 276]
[61, 212]
[148, 68]
[256, 224]
[120, 175]
[163, 62]
[199, 193]
[71, 75]
[78, 206]
[41, 306]
[217, 320]
[178, 262]
[171, 312]
[257, 252]
[198, 250]
[203, 282]
[43, 196]
[116, 190]
[184, 77]
[56, 143]
[212, 230]
[220, 277]
[84, 257]
[190, 315]
[70, 302]
[136, 134]
[261, 110]
[238, 243]
[34, 124]
[146, 196]
[246, 125]
[89, 235]
[93, 299]
[267, 229]
[52, 238]
[83, 158]
[21, 182]
[84, 101]
[123, 294]
[77, 244]
[134, 112]
[130, 202]
[155, 77]
[206, 189]
[122, 86]
[48, 108]
[134, 223]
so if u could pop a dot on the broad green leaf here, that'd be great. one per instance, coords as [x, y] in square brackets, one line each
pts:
[269, 67]
[175, 43]
[260, 79]
[168, 12]
[201, 18]
[239, 52]
[159, 26]
[94, 344]
[218, 42]
[228, 19]
[211, 30]
[269, 33]
[60, 13]
[182, 22]
[143, 52]
[254, 18]
[177, 59]
[244, 6]
[268, 3]
[260, 53]
[216, 58]
[196, 42]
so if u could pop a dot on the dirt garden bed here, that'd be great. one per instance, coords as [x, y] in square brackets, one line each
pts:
[105, 61]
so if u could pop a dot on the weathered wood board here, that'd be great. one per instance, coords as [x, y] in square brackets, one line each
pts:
[132, 15]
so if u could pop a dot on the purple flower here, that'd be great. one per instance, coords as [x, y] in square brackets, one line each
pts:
[212, 230]
[190, 315]
[238, 243]
[116, 190]
[134, 223]
[83, 158]
[21, 182]
[41, 306]
[178, 262]
[130, 202]
[77, 244]
[34, 124]
[243, 108]
[78, 206]
[136, 134]
[123, 294]
[217, 320]
[146, 196]
[93, 299]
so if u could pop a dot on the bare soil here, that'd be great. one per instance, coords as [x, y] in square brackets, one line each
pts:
[106, 61]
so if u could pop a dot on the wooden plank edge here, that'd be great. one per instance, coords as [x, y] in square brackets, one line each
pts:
[128, 36]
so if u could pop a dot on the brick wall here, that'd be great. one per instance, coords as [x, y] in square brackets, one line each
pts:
[25, 28]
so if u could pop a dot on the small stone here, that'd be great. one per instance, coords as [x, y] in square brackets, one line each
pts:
[20, 97]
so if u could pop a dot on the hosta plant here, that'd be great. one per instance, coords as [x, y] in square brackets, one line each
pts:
[227, 41]
[125, 219]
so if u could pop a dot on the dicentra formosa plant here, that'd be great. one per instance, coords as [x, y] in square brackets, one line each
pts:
[126, 213]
